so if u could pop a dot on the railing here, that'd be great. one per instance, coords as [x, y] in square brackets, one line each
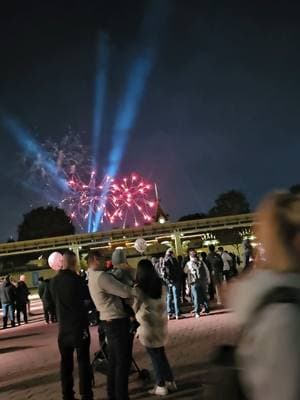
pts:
[147, 231]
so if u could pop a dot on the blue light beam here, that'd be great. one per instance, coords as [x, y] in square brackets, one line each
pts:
[33, 149]
[151, 29]
[99, 96]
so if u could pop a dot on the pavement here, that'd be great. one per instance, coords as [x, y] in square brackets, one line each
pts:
[29, 358]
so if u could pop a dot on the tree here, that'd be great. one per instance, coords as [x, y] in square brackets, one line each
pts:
[295, 189]
[232, 202]
[191, 217]
[45, 222]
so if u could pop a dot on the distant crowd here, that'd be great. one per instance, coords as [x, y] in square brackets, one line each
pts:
[14, 300]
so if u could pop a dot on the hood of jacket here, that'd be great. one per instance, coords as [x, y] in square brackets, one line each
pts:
[249, 293]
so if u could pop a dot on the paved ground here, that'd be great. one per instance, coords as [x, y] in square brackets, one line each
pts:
[29, 357]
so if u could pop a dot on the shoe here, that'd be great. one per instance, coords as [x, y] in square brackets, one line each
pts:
[171, 386]
[170, 316]
[159, 391]
[197, 316]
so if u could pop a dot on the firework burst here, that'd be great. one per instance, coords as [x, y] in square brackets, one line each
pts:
[132, 201]
[128, 201]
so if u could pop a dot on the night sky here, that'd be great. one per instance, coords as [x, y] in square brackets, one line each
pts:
[220, 109]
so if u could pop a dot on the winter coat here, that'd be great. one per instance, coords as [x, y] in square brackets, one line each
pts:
[22, 293]
[216, 263]
[172, 272]
[152, 317]
[124, 273]
[7, 293]
[269, 351]
[197, 272]
[67, 291]
[41, 289]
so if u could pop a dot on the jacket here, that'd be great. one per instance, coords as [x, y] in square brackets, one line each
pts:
[67, 292]
[172, 272]
[124, 273]
[152, 317]
[7, 293]
[197, 272]
[107, 294]
[269, 351]
[41, 289]
[22, 293]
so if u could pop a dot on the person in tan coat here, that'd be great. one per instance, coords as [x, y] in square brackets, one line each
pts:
[151, 313]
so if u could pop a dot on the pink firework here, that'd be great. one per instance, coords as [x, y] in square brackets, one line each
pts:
[132, 200]
[85, 200]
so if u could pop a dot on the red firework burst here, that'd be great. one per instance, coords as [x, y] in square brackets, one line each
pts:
[132, 201]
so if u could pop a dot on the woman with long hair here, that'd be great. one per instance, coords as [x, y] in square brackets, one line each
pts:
[150, 309]
[267, 303]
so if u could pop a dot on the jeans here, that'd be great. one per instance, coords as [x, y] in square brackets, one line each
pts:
[199, 297]
[119, 358]
[173, 299]
[8, 310]
[84, 366]
[22, 308]
[161, 366]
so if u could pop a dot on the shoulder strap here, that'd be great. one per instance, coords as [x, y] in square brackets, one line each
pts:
[281, 294]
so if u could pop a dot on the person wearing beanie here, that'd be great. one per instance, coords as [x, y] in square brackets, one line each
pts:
[121, 270]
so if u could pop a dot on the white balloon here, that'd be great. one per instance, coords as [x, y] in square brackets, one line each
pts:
[55, 260]
[140, 245]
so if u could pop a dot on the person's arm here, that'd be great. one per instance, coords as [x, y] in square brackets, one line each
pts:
[112, 286]
[207, 272]
[186, 268]
[271, 359]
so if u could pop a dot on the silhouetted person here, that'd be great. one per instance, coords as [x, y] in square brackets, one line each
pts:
[45, 296]
[67, 289]
[216, 264]
[173, 277]
[22, 294]
[8, 298]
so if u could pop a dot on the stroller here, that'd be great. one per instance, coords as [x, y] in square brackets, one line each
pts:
[100, 361]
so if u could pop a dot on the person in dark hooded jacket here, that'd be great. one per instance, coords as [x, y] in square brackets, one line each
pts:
[48, 304]
[172, 275]
[22, 294]
[8, 298]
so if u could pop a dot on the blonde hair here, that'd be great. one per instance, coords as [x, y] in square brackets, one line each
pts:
[284, 208]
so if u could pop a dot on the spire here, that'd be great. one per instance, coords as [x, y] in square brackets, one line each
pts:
[160, 215]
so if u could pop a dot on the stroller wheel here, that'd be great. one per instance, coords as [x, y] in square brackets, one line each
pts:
[144, 374]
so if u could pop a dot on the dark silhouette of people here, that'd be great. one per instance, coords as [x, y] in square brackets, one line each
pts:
[67, 289]
[45, 296]
[8, 298]
[22, 294]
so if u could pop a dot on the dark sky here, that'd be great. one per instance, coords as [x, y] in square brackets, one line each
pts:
[220, 109]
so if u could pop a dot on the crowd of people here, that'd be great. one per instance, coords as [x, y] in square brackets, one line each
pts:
[127, 301]
[14, 300]
[140, 301]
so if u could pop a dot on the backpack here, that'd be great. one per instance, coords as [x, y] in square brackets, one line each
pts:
[223, 375]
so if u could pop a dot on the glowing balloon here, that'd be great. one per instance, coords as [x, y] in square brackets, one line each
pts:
[55, 260]
[140, 245]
